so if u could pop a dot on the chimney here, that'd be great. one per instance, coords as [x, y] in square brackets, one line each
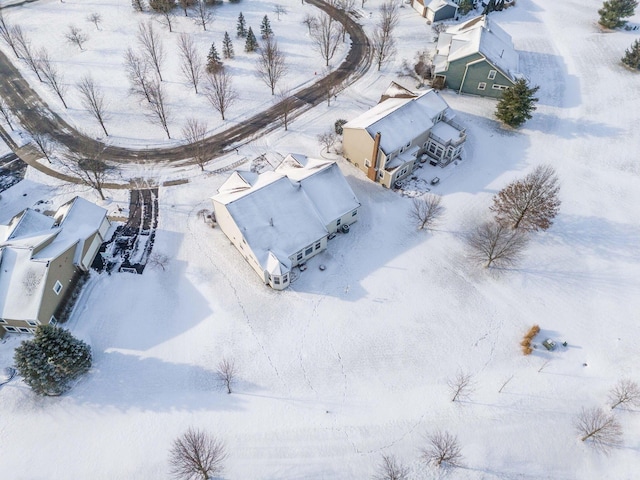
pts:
[371, 173]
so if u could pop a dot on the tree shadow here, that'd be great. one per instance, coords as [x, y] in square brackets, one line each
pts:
[125, 380]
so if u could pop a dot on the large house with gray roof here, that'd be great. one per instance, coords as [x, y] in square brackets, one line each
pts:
[41, 259]
[390, 140]
[476, 57]
[280, 219]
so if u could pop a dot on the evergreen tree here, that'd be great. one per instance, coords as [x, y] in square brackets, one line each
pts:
[52, 360]
[241, 28]
[613, 11]
[465, 6]
[492, 6]
[632, 56]
[227, 46]
[251, 44]
[213, 60]
[516, 104]
[265, 28]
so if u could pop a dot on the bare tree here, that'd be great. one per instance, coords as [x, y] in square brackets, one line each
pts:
[227, 373]
[461, 386]
[158, 260]
[271, 63]
[151, 44]
[185, 4]
[203, 14]
[286, 102]
[53, 78]
[327, 139]
[599, 427]
[138, 5]
[195, 133]
[280, 10]
[95, 18]
[220, 91]
[493, 243]
[159, 111]
[310, 21]
[325, 35]
[531, 203]
[391, 469]
[27, 54]
[138, 72]
[75, 36]
[7, 34]
[443, 449]
[625, 392]
[44, 143]
[88, 165]
[5, 112]
[197, 455]
[165, 9]
[426, 210]
[93, 100]
[383, 43]
[191, 65]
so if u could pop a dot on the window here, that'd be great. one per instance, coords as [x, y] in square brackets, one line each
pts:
[308, 251]
[338, 222]
[276, 280]
[482, 85]
[24, 330]
[57, 287]
[354, 213]
[299, 256]
[492, 74]
[367, 163]
[2, 320]
[32, 323]
[53, 321]
[318, 245]
[10, 329]
[285, 278]
[380, 173]
[499, 87]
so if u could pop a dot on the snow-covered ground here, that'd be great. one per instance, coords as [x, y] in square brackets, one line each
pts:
[353, 361]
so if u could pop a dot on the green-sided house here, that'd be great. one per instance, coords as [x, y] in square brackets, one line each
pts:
[476, 58]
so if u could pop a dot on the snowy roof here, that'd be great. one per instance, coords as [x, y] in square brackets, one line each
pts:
[400, 120]
[281, 212]
[32, 240]
[478, 35]
[446, 132]
[436, 5]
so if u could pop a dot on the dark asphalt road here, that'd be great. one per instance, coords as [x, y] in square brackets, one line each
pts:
[35, 115]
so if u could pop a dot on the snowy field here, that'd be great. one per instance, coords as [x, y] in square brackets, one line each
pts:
[352, 362]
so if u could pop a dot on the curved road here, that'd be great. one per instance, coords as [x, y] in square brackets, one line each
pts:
[36, 116]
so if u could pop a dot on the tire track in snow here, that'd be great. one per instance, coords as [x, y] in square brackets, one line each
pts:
[245, 315]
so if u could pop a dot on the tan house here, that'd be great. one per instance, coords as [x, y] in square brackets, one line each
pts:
[280, 219]
[389, 141]
[41, 260]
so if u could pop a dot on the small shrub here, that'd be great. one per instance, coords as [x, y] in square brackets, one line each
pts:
[338, 125]
[526, 340]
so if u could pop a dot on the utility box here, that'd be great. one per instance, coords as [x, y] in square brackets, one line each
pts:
[549, 344]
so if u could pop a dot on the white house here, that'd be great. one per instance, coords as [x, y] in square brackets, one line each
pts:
[279, 219]
[388, 141]
[41, 259]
